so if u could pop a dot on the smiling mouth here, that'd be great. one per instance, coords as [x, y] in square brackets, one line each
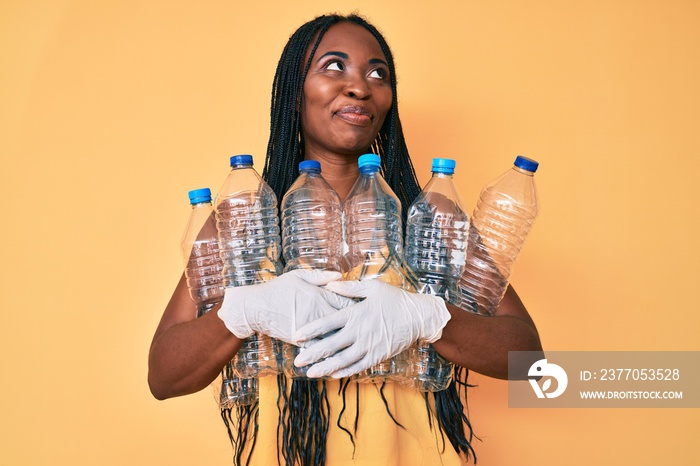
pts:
[354, 115]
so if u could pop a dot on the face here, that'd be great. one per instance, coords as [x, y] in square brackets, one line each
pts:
[347, 92]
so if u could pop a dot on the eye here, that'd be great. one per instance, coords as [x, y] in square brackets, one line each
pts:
[379, 73]
[335, 66]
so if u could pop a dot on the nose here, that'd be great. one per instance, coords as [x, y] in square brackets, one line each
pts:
[356, 87]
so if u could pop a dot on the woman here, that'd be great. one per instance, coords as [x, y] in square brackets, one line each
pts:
[334, 98]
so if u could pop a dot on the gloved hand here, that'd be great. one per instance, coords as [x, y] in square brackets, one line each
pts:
[280, 306]
[385, 323]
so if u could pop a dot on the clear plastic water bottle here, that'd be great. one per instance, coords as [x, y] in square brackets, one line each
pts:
[200, 251]
[311, 222]
[311, 216]
[502, 220]
[374, 237]
[249, 242]
[203, 271]
[437, 228]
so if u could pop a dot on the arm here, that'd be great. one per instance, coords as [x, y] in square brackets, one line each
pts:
[481, 343]
[187, 354]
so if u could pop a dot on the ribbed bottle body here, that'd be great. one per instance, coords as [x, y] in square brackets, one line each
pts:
[249, 240]
[312, 236]
[374, 237]
[436, 237]
[203, 273]
[436, 244]
[249, 236]
[373, 230]
[235, 391]
[312, 225]
[200, 253]
[502, 220]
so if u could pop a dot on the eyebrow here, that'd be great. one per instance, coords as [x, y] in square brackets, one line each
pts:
[342, 55]
[375, 61]
[345, 56]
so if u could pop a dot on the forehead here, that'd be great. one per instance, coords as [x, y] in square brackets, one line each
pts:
[350, 38]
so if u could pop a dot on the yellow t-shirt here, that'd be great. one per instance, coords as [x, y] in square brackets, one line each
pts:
[378, 441]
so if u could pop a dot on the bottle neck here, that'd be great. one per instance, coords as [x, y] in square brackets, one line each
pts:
[523, 171]
[443, 175]
[369, 171]
[309, 171]
[201, 204]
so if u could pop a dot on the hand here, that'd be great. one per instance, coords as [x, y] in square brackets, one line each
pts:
[280, 306]
[385, 323]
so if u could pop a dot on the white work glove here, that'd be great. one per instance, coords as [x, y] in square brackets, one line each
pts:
[280, 306]
[384, 324]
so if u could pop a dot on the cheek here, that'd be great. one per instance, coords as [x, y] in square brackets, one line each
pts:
[317, 92]
[313, 102]
[313, 106]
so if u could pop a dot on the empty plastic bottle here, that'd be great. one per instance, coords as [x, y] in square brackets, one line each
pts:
[249, 242]
[203, 268]
[311, 222]
[311, 216]
[437, 228]
[502, 220]
[200, 251]
[374, 236]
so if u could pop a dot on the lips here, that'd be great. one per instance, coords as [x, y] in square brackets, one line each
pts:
[354, 115]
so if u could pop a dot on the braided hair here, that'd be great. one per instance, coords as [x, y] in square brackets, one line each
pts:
[285, 148]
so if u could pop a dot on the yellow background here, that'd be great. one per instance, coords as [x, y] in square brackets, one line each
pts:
[110, 111]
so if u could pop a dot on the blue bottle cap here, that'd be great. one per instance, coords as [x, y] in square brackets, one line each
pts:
[446, 166]
[310, 165]
[526, 163]
[369, 162]
[198, 196]
[243, 159]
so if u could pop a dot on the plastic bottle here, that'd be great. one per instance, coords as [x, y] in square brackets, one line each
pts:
[375, 244]
[249, 242]
[311, 222]
[502, 220]
[437, 228]
[203, 268]
[311, 218]
[200, 251]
